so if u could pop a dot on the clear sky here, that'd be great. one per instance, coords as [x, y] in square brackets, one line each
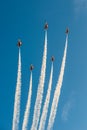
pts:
[25, 20]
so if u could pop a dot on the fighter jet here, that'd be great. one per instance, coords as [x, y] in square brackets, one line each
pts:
[46, 26]
[31, 67]
[67, 31]
[19, 43]
[52, 58]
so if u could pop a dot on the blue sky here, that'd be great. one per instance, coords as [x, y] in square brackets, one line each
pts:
[25, 20]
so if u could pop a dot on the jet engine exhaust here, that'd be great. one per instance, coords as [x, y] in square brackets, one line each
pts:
[57, 90]
[16, 114]
[27, 110]
[40, 90]
[46, 104]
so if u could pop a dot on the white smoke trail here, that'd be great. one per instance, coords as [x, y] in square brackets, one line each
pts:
[27, 111]
[46, 104]
[40, 90]
[16, 114]
[58, 90]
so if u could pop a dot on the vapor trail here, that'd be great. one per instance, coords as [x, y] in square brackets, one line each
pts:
[46, 104]
[57, 90]
[39, 97]
[16, 114]
[27, 111]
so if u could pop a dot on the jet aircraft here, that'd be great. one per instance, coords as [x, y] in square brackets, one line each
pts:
[46, 26]
[31, 67]
[67, 31]
[19, 43]
[52, 58]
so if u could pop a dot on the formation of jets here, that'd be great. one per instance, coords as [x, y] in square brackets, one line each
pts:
[32, 67]
[45, 27]
[52, 58]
